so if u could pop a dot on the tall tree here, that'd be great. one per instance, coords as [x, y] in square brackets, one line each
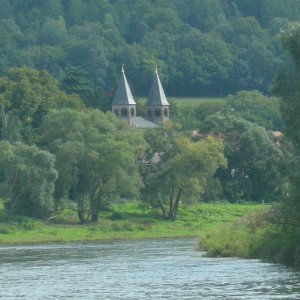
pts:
[288, 85]
[102, 158]
[27, 179]
[176, 169]
[75, 82]
[29, 95]
[255, 162]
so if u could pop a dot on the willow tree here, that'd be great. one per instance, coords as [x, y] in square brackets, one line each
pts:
[27, 177]
[177, 170]
[96, 158]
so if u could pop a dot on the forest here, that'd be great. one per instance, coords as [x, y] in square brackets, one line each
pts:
[201, 47]
[61, 147]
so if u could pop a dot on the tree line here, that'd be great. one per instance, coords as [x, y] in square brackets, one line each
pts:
[202, 47]
[56, 152]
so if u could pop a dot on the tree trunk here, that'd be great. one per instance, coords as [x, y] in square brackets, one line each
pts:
[171, 207]
[81, 217]
[176, 204]
[163, 210]
[95, 215]
[81, 211]
[95, 205]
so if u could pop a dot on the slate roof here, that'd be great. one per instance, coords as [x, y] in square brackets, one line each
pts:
[142, 123]
[156, 94]
[123, 94]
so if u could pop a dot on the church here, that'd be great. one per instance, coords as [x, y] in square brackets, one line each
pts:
[157, 105]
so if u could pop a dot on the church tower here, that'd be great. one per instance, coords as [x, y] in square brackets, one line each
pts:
[123, 104]
[157, 105]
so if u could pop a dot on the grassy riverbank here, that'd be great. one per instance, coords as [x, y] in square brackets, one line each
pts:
[126, 221]
[254, 236]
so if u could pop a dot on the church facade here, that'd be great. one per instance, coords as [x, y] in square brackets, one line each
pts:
[157, 105]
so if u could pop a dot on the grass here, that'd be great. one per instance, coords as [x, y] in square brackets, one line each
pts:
[124, 221]
[188, 101]
[254, 236]
[193, 102]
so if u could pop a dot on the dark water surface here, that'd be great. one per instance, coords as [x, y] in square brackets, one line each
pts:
[148, 269]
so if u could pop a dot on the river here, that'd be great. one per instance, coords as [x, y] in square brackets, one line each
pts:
[143, 269]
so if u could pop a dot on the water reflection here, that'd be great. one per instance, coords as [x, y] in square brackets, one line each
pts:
[148, 269]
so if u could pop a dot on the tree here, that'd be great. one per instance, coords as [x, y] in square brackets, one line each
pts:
[53, 31]
[27, 179]
[180, 171]
[75, 82]
[255, 162]
[203, 47]
[256, 108]
[204, 60]
[74, 11]
[102, 158]
[288, 87]
[29, 95]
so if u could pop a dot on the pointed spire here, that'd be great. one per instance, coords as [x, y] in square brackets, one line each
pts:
[156, 94]
[123, 94]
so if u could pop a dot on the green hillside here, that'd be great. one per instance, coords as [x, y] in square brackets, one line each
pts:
[202, 47]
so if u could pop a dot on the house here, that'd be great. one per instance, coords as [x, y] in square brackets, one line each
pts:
[157, 105]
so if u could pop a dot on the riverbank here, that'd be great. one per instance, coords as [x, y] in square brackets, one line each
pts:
[123, 221]
[255, 236]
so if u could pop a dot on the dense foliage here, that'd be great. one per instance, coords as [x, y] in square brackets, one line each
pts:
[100, 160]
[255, 162]
[202, 47]
[288, 85]
[59, 61]
[176, 170]
[275, 234]
[252, 106]
[27, 179]
[96, 157]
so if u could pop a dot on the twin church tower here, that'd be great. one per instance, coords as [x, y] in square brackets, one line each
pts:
[157, 105]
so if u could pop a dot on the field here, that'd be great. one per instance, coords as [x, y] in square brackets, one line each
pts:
[187, 101]
[123, 221]
[191, 102]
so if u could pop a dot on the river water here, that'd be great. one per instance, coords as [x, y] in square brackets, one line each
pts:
[144, 269]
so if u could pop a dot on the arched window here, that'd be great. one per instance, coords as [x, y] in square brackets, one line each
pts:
[132, 111]
[124, 112]
[116, 111]
[150, 113]
[157, 112]
[166, 112]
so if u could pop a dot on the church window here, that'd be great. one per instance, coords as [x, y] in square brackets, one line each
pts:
[166, 112]
[124, 112]
[132, 112]
[150, 113]
[116, 111]
[157, 112]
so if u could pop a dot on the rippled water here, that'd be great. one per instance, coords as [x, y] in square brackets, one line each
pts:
[148, 269]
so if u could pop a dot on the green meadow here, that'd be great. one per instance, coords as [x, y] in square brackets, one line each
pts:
[122, 221]
[188, 101]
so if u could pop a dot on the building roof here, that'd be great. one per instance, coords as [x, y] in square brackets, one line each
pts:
[156, 94]
[142, 123]
[277, 134]
[123, 94]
